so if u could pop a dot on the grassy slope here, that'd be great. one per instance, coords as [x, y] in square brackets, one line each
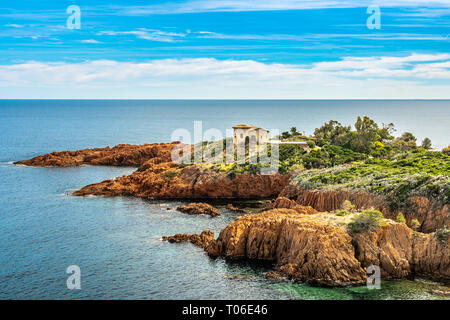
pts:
[424, 173]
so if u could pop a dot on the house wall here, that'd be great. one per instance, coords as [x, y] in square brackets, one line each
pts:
[259, 135]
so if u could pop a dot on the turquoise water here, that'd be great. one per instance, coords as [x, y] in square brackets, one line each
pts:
[116, 241]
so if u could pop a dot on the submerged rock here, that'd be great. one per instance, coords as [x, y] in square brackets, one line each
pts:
[202, 240]
[199, 208]
[234, 209]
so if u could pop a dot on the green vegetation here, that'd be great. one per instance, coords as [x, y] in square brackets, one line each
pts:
[366, 157]
[426, 144]
[415, 224]
[403, 175]
[347, 205]
[442, 234]
[367, 220]
[362, 140]
[330, 156]
[341, 213]
[401, 218]
[170, 174]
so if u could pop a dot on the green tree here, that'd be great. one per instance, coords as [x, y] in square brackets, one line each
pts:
[386, 132]
[405, 142]
[366, 134]
[408, 137]
[294, 131]
[285, 135]
[332, 132]
[426, 143]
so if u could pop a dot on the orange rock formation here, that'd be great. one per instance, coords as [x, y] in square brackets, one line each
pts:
[431, 215]
[317, 249]
[199, 208]
[120, 155]
[202, 240]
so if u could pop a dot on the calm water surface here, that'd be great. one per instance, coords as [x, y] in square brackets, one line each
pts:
[116, 241]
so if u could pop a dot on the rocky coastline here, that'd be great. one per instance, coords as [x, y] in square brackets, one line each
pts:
[299, 233]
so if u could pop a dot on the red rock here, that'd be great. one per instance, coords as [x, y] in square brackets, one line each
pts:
[120, 155]
[199, 208]
[202, 240]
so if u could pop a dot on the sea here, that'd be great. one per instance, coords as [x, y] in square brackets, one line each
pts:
[116, 242]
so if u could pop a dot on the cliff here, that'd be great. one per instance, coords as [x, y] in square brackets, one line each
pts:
[319, 249]
[431, 214]
[166, 180]
[120, 155]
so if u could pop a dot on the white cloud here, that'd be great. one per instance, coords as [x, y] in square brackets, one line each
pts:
[147, 34]
[89, 41]
[13, 25]
[415, 76]
[193, 6]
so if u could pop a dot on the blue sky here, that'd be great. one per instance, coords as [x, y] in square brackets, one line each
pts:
[285, 49]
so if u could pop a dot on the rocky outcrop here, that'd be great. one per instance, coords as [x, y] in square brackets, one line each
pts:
[303, 247]
[120, 155]
[430, 214]
[401, 252]
[320, 249]
[234, 209]
[285, 203]
[199, 208]
[167, 181]
[202, 240]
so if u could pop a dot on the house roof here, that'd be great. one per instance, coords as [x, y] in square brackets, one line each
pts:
[245, 126]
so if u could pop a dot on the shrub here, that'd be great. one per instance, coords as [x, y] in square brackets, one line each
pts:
[311, 144]
[442, 234]
[401, 218]
[170, 174]
[426, 143]
[367, 220]
[348, 206]
[415, 224]
[342, 213]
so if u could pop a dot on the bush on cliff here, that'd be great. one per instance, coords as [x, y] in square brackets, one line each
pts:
[401, 218]
[367, 220]
[442, 234]
[415, 224]
[341, 213]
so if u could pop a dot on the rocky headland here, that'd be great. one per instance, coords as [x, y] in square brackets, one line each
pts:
[120, 155]
[301, 234]
[321, 249]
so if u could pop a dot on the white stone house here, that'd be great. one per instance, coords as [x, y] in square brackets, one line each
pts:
[254, 134]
